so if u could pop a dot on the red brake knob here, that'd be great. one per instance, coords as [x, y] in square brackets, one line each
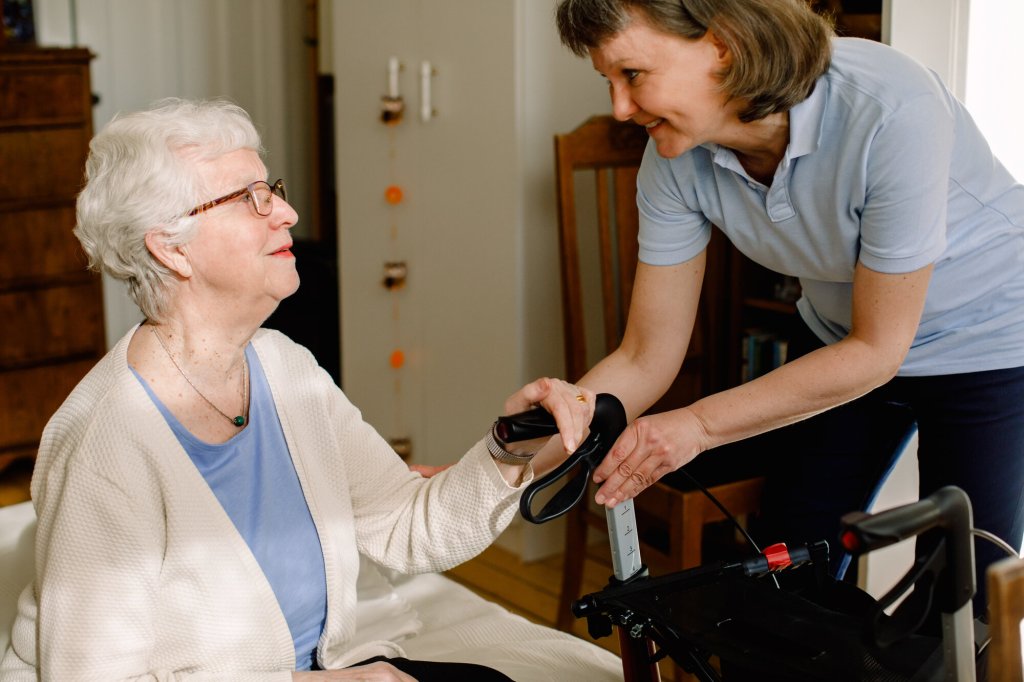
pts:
[777, 556]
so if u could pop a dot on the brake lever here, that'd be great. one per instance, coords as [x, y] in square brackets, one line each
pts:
[608, 423]
[569, 495]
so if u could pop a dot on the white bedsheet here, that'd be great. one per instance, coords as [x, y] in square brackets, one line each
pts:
[458, 625]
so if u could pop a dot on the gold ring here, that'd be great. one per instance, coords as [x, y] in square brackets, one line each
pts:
[581, 398]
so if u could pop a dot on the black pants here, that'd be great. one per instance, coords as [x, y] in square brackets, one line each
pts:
[431, 671]
[971, 435]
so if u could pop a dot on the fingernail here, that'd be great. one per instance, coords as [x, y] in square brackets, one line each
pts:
[599, 499]
[570, 446]
[611, 503]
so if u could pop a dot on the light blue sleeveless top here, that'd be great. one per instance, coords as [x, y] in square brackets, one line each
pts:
[254, 478]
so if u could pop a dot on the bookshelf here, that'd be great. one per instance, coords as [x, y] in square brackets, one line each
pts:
[762, 319]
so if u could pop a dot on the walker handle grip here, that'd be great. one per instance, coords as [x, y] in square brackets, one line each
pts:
[608, 422]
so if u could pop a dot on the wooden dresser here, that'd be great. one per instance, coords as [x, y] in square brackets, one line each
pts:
[51, 307]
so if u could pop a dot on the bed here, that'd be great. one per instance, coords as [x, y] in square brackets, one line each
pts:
[428, 617]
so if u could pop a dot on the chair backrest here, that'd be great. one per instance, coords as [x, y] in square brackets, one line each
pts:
[612, 150]
[599, 241]
[1006, 609]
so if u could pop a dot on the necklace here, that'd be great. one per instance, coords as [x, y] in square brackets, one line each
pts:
[238, 421]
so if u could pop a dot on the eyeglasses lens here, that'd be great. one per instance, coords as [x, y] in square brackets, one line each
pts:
[263, 196]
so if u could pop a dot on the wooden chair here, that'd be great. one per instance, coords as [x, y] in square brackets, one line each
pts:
[598, 249]
[1006, 609]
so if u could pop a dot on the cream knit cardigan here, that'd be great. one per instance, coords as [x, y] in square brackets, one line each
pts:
[141, 575]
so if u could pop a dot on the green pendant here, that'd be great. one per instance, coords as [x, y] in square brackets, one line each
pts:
[239, 420]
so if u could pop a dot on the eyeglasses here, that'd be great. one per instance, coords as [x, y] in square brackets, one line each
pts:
[260, 194]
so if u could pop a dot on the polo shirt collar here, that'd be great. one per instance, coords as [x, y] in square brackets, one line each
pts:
[806, 121]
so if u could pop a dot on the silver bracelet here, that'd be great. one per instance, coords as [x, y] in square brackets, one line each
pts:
[500, 454]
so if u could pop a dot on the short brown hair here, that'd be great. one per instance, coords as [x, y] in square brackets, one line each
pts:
[779, 47]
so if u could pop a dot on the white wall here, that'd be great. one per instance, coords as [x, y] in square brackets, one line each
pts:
[993, 88]
[559, 92]
[934, 32]
[974, 47]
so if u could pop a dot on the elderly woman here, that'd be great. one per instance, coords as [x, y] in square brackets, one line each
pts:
[204, 493]
[844, 163]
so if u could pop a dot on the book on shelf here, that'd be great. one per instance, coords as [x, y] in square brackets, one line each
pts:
[762, 351]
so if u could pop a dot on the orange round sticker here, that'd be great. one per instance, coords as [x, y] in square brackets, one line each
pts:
[393, 195]
[397, 359]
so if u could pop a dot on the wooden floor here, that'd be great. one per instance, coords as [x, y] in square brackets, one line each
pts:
[531, 589]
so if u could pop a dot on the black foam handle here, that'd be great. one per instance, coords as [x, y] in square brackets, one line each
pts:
[526, 425]
[948, 509]
[608, 423]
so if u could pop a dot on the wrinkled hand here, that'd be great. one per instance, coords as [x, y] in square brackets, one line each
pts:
[649, 448]
[378, 671]
[572, 407]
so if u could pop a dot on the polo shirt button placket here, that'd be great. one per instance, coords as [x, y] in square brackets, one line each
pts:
[778, 204]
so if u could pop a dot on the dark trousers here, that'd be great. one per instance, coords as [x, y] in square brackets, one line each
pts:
[971, 435]
[431, 671]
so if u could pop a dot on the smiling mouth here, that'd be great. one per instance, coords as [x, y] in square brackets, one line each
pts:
[654, 124]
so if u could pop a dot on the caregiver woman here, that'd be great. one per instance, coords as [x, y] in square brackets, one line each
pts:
[844, 163]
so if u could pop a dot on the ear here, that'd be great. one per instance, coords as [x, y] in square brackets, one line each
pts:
[174, 258]
[722, 50]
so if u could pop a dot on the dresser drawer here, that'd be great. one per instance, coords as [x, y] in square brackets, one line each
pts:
[43, 86]
[43, 164]
[41, 96]
[39, 243]
[53, 322]
[31, 396]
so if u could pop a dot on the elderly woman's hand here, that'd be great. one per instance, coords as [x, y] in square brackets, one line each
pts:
[378, 671]
[572, 407]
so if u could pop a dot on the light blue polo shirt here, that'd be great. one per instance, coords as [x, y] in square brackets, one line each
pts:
[884, 165]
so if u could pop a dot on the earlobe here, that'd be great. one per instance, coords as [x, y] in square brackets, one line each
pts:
[174, 258]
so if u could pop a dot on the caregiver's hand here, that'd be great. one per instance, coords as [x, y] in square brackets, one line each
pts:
[649, 448]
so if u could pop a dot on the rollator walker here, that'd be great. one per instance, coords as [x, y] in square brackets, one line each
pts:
[777, 615]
